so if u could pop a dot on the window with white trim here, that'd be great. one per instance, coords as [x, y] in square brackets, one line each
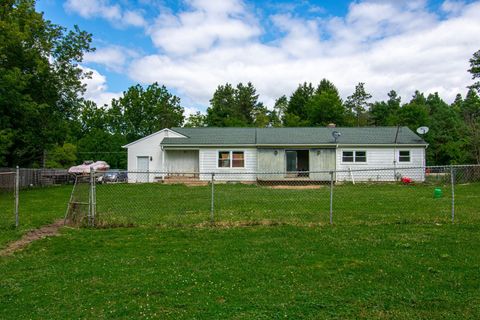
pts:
[348, 156]
[354, 156]
[238, 159]
[224, 159]
[231, 159]
[404, 156]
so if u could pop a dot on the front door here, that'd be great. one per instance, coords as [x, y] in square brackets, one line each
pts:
[142, 168]
[297, 162]
[291, 160]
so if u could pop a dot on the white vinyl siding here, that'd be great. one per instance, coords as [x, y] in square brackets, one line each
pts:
[149, 147]
[209, 164]
[381, 158]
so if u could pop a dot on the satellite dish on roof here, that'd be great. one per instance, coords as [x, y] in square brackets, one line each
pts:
[336, 135]
[422, 130]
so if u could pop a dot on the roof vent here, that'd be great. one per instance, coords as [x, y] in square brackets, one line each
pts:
[331, 125]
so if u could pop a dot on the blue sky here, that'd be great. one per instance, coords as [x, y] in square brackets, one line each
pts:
[193, 46]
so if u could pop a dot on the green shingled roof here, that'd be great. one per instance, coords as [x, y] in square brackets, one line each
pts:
[292, 136]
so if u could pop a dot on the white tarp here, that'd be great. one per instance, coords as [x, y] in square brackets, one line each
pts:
[88, 165]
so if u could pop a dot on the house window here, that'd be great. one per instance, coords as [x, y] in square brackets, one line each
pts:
[347, 156]
[354, 156]
[404, 156]
[238, 159]
[231, 159]
[360, 156]
[224, 159]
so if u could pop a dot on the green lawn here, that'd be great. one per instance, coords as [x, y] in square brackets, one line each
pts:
[37, 207]
[157, 204]
[391, 254]
[347, 272]
[179, 205]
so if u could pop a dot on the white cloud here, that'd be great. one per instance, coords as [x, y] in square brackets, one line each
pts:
[112, 57]
[97, 89]
[189, 111]
[208, 23]
[103, 9]
[452, 7]
[387, 44]
[134, 18]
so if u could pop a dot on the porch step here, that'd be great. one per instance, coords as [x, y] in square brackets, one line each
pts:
[186, 180]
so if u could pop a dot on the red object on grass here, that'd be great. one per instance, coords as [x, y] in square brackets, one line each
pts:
[406, 180]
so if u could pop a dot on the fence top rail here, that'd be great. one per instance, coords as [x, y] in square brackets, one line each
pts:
[5, 173]
[432, 169]
[220, 171]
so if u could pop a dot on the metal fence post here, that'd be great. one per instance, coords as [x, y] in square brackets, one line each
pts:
[452, 180]
[212, 204]
[94, 199]
[17, 195]
[331, 197]
[90, 198]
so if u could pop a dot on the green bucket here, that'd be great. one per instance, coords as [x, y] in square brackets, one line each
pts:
[437, 193]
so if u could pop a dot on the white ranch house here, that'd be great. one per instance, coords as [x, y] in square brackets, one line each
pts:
[250, 154]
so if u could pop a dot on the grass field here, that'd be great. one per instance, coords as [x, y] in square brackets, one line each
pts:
[391, 254]
[37, 207]
[157, 204]
[380, 272]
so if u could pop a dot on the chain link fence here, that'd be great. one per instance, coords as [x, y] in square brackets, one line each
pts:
[440, 194]
[15, 181]
[40, 177]
[9, 199]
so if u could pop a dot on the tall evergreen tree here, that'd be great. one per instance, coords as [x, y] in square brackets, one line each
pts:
[325, 106]
[445, 137]
[385, 113]
[457, 103]
[470, 112]
[221, 112]
[234, 107]
[246, 102]
[279, 110]
[415, 113]
[296, 114]
[357, 104]
[475, 70]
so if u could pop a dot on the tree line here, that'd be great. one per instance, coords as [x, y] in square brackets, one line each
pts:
[454, 135]
[45, 121]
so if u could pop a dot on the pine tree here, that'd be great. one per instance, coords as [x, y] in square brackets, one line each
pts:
[326, 106]
[296, 114]
[470, 111]
[357, 104]
[475, 70]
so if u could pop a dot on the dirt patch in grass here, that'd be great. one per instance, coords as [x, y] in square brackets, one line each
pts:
[298, 187]
[33, 235]
[267, 223]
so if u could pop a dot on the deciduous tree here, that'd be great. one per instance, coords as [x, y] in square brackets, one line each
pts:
[143, 111]
[40, 82]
